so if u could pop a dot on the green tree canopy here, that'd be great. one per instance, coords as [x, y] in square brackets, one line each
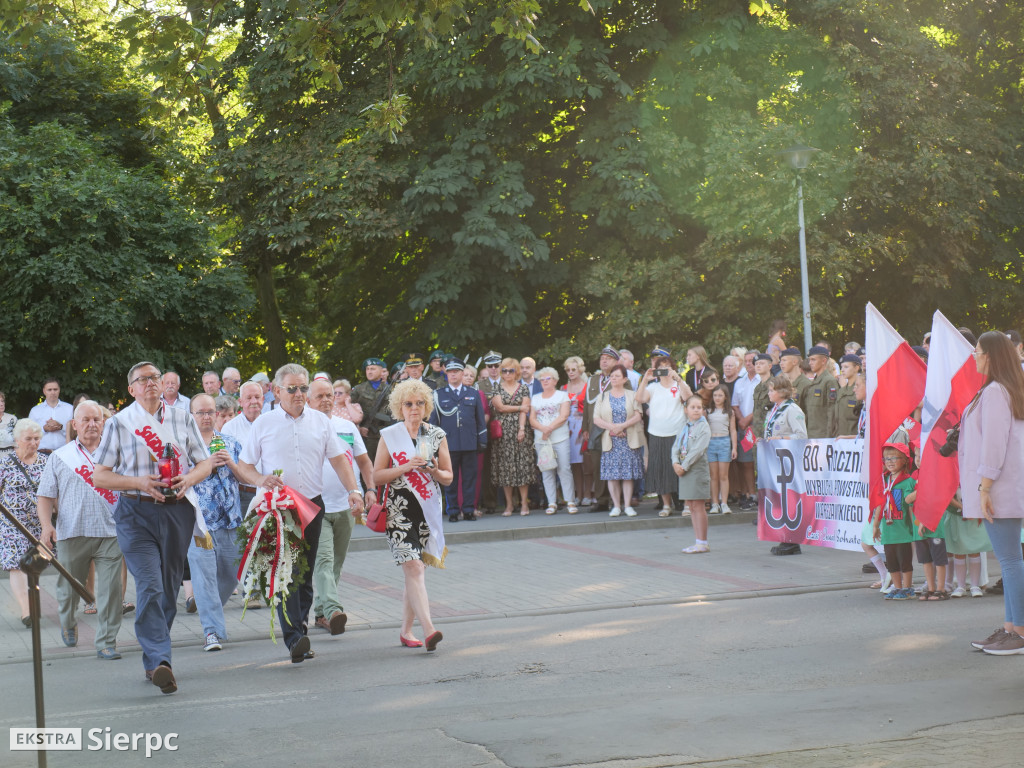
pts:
[101, 263]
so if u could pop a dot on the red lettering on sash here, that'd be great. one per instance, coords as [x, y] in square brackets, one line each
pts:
[153, 441]
[86, 474]
[417, 480]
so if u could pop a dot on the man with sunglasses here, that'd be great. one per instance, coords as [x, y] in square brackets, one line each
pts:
[153, 529]
[297, 440]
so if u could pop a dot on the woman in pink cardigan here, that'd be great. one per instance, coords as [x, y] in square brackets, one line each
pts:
[991, 453]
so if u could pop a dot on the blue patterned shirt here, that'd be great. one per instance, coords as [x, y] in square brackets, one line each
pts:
[218, 494]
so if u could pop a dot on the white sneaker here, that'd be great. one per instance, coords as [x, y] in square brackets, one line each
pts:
[958, 592]
[212, 642]
[615, 512]
[586, 502]
[715, 509]
[630, 512]
[886, 584]
[726, 510]
[976, 592]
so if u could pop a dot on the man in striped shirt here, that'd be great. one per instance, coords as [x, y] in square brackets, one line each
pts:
[153, 529]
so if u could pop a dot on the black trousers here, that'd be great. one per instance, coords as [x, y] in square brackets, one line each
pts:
[464, 476]
[293, 613]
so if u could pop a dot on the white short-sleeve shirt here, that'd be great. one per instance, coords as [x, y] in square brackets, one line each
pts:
[334, 494]
[298, 446]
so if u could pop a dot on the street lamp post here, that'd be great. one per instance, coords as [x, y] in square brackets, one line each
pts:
[799, 157]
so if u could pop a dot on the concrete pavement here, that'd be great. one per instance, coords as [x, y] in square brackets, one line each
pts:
[502, 567]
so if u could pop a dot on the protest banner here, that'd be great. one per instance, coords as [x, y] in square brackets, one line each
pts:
[811, 492]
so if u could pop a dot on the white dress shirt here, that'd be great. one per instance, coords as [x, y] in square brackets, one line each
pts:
[299, 446]
[62, 412]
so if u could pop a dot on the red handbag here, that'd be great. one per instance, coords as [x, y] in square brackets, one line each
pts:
[494, 428]
[377, 516]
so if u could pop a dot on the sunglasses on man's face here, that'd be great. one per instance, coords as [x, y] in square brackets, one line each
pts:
[303, 388]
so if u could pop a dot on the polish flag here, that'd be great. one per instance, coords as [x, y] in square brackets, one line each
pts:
[953, 379]
[895, 379]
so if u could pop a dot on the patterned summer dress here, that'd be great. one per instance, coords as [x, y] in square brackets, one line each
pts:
[513, 463]
[407, 528]
[621, 462]
[19, 496]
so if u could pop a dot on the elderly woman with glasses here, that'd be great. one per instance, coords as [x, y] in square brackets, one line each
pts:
[513, 464]
[20, 473]
[344, 406]
[549, 416]
[412, 463]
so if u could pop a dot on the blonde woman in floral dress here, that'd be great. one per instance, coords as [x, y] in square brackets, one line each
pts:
[412, 462]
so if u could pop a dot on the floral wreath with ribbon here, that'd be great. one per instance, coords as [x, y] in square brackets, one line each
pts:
[273, 547]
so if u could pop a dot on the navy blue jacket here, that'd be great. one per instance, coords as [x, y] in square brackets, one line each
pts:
[461, 417]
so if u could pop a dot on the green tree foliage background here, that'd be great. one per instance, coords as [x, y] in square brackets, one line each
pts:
[549, 177]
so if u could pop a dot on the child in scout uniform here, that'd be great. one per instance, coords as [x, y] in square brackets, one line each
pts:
[893, 519]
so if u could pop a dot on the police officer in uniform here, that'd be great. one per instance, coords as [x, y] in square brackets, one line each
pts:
[437, 372]
[372, 396]
[488, 383]
[847, 410]
[459, 411]
[789, 362]
[820, 397]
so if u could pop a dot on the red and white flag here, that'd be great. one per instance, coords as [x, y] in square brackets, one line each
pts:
[895, 379]
[953, 379]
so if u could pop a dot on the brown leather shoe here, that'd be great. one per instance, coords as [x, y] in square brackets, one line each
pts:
[337, 623]
[163, 678]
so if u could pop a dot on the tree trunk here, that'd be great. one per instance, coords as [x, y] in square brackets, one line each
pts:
[270, 313]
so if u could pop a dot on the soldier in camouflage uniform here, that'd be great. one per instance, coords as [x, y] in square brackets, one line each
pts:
[372, 396]
[819, 403]
[847, 412]
[789, 362]
[762, 405]
[488, 383]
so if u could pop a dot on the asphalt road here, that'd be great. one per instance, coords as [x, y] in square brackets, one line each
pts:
[826, 678]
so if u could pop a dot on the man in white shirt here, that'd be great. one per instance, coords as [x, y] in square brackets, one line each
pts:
[268, 394]
[52, 414]
[527, 367]
[232, 379]
[338, 522]
[171, 396]
[627, 359]
[297, 440]
[85, 531]
[211, 383]
[250, 399]
[743, 407]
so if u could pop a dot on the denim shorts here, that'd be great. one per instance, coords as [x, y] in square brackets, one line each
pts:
[720, 449]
